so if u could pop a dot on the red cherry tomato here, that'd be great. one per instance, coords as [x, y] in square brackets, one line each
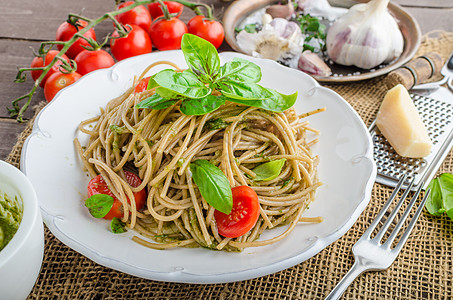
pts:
[135, 43]
[88, 61]
[97, 185]
[243, 216]
[38, 62]
[210, 30]
[66, 31]
[173, 8]
[142, 85]
[58, 81]
[167, 34]
[138, 16]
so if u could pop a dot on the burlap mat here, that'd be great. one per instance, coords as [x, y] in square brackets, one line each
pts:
[423, 270]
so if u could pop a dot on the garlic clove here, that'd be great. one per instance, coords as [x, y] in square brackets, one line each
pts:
[284, 28]
[311, 63]
[366, 36]
[284, 11]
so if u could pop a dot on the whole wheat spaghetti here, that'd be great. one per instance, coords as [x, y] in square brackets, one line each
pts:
[159, 145]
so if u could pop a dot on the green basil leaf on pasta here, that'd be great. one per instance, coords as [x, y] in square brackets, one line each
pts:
[240, 70]
[201, 57]
[213, 185]
[156, 102]
[243, 90]
[269, 170]
[277, 103]
[99, 205]
[198, 107]
[117, 226]
[152, 83]
[182, 83]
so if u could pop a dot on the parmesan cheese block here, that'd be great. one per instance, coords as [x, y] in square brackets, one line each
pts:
[399, 122]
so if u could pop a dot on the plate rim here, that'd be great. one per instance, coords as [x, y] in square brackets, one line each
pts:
[186, 277]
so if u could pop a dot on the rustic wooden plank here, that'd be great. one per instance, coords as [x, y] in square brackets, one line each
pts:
[14, 54]
[425, 3]
[9, 131]
[39, 20]
[431, 19]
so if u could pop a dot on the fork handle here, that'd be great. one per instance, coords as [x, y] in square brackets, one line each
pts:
[346, 281]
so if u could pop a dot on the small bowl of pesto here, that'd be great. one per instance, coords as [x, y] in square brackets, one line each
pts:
[21, 234]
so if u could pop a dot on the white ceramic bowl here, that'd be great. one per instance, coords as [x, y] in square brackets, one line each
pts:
[21, 259]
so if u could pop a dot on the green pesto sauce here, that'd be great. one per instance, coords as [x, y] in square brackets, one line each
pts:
[11, 212]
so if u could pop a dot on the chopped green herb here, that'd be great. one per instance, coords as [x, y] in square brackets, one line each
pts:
[117, 226]
[117, 129]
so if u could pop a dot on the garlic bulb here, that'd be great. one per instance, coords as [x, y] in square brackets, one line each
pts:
[365, 37]
[279, 40]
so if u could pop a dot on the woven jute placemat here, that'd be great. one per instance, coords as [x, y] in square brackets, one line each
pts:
[423, 270]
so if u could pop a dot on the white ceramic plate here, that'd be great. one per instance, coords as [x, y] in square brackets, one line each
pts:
[49, 159]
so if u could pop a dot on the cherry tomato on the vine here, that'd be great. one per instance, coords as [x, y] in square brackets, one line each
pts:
[38, 62]
[173, 8]
[167, 34]
[66, 31]
[135, 43]
[142, 85]
[210, 30]
[138, 16]
[97, 185]
[58, 81]
[90, 60]
[243, 216]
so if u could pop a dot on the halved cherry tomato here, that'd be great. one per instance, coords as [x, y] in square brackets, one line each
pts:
[135, 43]
[142, 85]
[38, 62]
[167, 34]
[138, 16]
[88, 61]
[97, 185]
[66, 31]
[243, 216]
[173, 8]
[58, 81]
[210, 30]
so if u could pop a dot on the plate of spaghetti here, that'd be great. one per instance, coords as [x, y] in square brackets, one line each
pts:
[239, 167]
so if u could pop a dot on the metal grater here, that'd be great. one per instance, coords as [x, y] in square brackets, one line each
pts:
[436, 110]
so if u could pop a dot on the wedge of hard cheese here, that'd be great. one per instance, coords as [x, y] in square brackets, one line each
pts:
[399, 122]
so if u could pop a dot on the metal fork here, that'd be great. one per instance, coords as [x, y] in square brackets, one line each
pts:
[370, 253]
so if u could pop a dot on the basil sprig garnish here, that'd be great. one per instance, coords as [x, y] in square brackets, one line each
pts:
[213, 185]
[440, 199]
[99, 205]
[236, 81]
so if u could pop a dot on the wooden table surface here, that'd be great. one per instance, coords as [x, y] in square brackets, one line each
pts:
[25, 24]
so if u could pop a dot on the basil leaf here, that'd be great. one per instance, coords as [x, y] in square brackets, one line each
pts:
[117, 226]
[243, 90]
[99, 205]
[185, 83]
[240, 70]
[197, 107]
[152, 83]
[213, 185]
[446, 187]
[156, 102]
[269, 170]
[434, 203]
[277, 103]
[201, 57]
